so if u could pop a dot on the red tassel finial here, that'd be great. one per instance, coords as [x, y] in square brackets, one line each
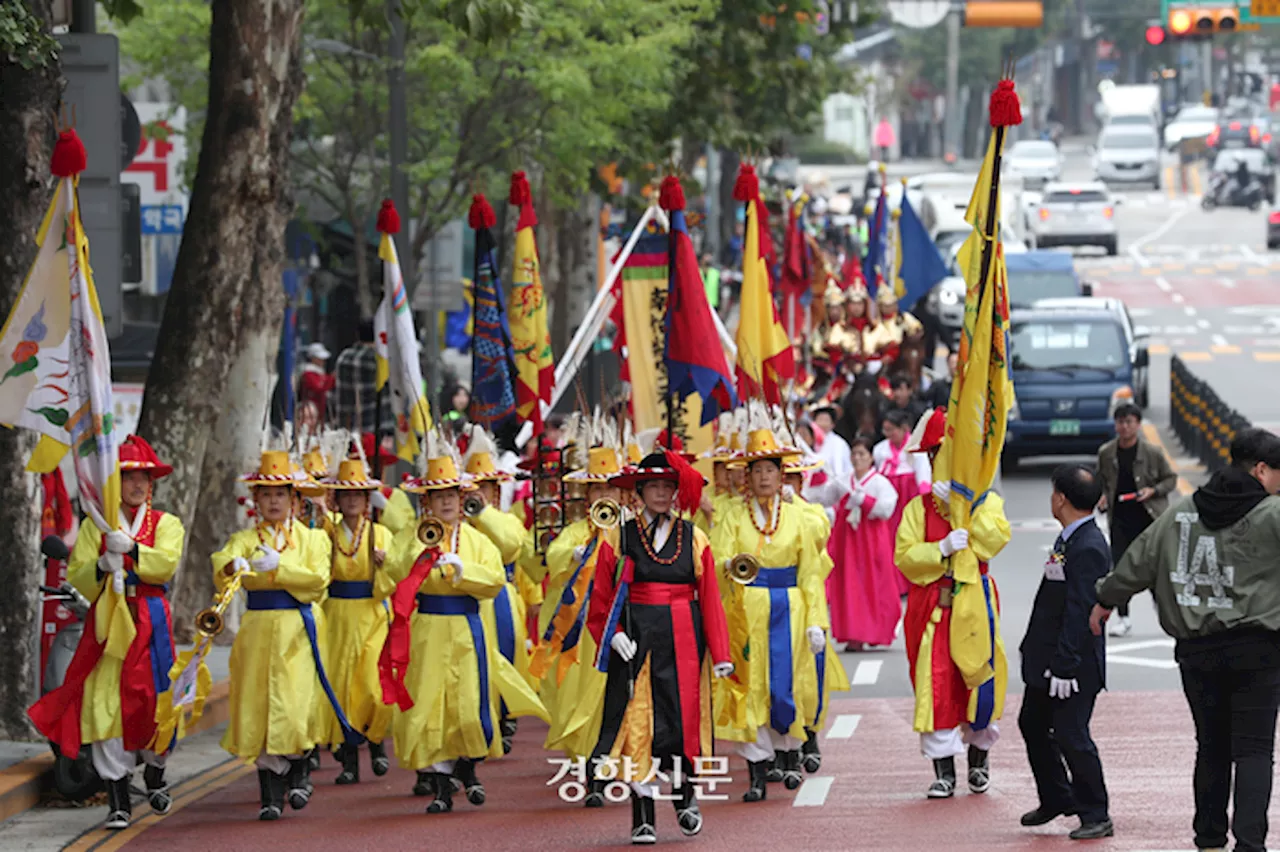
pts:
[690, 484]
[520, 192]
[388, 218]
[747, 186]
[69, 158]
[481, 214]
[1004, 109]
[671, 194]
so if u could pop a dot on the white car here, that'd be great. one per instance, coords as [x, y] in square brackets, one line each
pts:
[1036, 161]
[1076, 214]
[1191, 122]
[1127, 155]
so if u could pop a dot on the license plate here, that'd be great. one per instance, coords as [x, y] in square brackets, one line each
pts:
[1234, 143]
[1064, 427]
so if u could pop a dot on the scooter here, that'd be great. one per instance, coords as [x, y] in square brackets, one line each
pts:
[1226, 192]
[73, 777]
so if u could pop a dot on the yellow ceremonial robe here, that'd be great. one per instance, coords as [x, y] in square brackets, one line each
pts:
[817, 533]
[508, 534]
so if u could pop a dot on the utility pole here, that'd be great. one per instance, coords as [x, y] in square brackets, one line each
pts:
[951, 123]
[84, 16]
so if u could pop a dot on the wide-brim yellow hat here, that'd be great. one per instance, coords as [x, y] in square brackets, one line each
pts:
[442, 473]
[351, 476]
[480, 468]
[275, 468]
[763, 444]
[800, 464]
[602, 464]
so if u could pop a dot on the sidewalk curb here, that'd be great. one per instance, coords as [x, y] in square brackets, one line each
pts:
[22, 784]
[1152, 434]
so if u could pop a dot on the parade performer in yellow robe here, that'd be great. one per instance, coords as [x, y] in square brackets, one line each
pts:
[566, 655]
[105, 701]
[827, 674]
[949, 715]
[393, 505]
[356, 618]
[312, 507]
[440, 666]
[777, 623]
[719, 493]
[504, 615]
[276, 665]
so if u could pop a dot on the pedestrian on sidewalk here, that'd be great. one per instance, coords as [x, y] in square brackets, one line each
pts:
[1210, 563]
[1136, 483]
[884, 139]
[316, 381]
[1064, 665]
[108, 697]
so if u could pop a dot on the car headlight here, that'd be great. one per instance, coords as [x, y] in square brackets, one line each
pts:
[948, 297]
[1120, 396]
[1015, 413]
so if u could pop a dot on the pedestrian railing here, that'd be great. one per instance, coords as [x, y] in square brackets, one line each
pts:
[1202, 421]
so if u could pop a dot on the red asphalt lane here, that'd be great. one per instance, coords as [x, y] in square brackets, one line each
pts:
[1216, 289]
[875, 802]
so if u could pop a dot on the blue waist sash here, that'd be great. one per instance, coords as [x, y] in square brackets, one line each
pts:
[782, 703]
[510, 568]
[161, 644]
[469, 607]
[269, 599]
[351, 590]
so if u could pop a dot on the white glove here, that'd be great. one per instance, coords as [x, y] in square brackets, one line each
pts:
[788, 493]
[119, 542]
[942, 490]
[113, 564]
[722, 669]
[450, 564]
[579, 552]
[955, 541]
[623, 645]
[528, 646]
[268, 561]
[1061, 687]
[378, 501]
[240, 564]
[817, 639]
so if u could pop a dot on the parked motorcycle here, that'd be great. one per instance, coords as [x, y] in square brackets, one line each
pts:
[73, 777]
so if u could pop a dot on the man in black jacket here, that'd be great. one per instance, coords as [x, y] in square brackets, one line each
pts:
[1064, 664]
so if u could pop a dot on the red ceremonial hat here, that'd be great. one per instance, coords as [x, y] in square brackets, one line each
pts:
[366, 443]
[668, 466]
[137, 454]
[935, 429]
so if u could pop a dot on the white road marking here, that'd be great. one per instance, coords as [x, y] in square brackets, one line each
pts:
[1218, 339]
[1247, 251]
[1177, 297]
[1141, 645]
[1228, 283]
[867, 673]
[1142, 662]
[844, 726]
[1163, 283]
[1188, 310]
[1156, 234]
[813, 792]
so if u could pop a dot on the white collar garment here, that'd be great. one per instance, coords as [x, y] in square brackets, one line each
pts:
[660, 533]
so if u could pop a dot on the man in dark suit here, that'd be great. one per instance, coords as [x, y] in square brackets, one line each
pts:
[1064, 664]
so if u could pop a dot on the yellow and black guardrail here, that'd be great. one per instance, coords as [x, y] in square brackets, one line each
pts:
[1202, 421]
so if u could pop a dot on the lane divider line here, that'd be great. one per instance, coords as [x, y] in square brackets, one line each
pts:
[844, 726]
[813, 792]
[1152, 434]
[867, 673]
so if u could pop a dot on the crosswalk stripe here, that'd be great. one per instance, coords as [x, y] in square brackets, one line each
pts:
[844, 726]
[867, 672]
[1266, 357]
[813, 792]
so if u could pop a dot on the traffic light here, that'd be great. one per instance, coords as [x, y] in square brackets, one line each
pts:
[1198, 22]
[1155, 35]
[1025, 14]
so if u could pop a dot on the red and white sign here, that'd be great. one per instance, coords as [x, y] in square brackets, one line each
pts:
[157, 168]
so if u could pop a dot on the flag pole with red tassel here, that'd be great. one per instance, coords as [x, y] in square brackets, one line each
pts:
[1004, 111]
[671, 198]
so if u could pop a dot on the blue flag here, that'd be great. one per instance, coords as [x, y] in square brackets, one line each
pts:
[919, 263]
[876, 239]
[493, 397]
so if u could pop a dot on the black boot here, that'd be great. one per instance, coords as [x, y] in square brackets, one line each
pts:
[944, 782]
[442, 787]
[811, 757]
[687, 812]
[424, 786]
[464, 769]
[299, 784]
[158, 795]
[350, 757]
[791, 777]
[378, 754]
[271, 789]
[756, 773]
[595, 793]
[119, 807]
[773, 768]
[508, 728]
[979, 770]
[313, 758]
[642, 820]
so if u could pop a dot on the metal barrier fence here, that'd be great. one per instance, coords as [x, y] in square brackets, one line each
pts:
[1202, 421]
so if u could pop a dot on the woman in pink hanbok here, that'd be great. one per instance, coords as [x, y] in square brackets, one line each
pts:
[908, 473]
[862, 591]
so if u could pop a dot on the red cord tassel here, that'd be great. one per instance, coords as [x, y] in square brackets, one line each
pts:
[69, 157]
[689, 488]
[747, 186]
[671, 194]
[388, 218]
[1004, 108]
[481, 214]
[520, 192]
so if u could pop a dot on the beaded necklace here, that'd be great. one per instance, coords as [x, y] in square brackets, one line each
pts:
[774, 517]
[355, 539]
[648, 545]
[275, 530]
[141, 527]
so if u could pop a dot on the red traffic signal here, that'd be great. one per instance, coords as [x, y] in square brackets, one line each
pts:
[1155, 35]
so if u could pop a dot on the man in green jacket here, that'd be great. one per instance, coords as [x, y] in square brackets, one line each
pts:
[1211, 563]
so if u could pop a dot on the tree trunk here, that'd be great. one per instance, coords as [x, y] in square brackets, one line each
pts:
[227, 291]
[729, 161]
[27, 115]
[575, 267]
[360, 250]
